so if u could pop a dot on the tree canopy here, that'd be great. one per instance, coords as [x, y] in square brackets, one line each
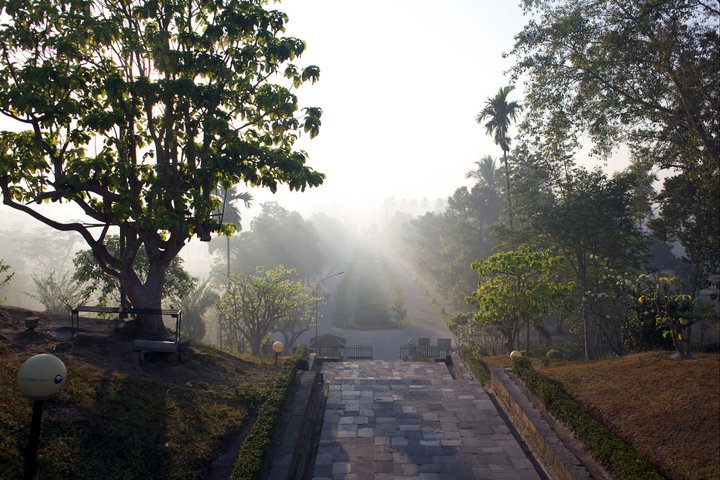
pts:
[277, 236]
[518, 286]
[137, 111]
[640, 73]
[257, 304]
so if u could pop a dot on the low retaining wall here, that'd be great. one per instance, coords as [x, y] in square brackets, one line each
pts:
[302, 421]
[549, 451]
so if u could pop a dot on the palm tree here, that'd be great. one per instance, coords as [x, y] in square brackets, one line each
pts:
[485, 173]
[230, 212]
[194, 305]
[499, 114]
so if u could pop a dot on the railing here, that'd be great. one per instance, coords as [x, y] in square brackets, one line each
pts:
[359, 352]
[119, 314]
[423, 352]
[349, 352]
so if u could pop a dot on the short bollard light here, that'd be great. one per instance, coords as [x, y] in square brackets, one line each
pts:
[515, 353]
[277, 348]
[39, 378]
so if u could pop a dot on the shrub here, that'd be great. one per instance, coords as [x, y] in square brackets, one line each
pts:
[475, 364]
[4, 267]
[571, 350]
[554, 354]
[251, 459]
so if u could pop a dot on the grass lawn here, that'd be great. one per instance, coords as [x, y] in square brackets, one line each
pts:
[667, 410]
[117, 420]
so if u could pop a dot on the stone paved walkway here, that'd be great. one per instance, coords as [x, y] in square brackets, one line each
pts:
[411, 420]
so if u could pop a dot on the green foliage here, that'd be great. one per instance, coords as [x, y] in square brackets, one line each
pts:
[472, 336]
[361, 299]
[252, 456]
[499, 114]
[399, 312]
[88, 271]
[194, 305]
[641, 74]
[276, 237]
[672, 309]
[690, 213]
[478, 368]
[442, 245]
[518, 286]
[4, 267]
[587, 217]
[138, 111]
[59, 292]
[254, 305]
[621, 461]
[554, 354]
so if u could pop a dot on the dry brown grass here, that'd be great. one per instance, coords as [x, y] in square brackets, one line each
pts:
[667, 410]
[117, 419]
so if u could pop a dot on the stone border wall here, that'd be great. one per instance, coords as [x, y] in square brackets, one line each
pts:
[549, 451]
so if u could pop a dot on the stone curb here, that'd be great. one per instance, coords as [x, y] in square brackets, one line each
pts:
[557, 461]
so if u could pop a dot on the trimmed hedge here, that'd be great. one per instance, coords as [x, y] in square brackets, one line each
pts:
[251, 459]
[621, 460]
[475, 364]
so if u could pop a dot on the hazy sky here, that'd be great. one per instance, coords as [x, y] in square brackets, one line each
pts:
[401, 82]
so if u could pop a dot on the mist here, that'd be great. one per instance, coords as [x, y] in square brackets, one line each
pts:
[343, 225]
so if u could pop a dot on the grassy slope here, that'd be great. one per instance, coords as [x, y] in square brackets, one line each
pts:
[667, 410]
[116, 420]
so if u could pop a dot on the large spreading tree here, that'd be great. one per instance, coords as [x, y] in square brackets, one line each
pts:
[644, 74]
[137, 111]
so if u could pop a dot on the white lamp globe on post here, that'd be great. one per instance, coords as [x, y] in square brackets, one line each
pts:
[39, 378]
[277, 348]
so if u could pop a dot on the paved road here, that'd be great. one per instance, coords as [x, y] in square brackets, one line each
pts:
[411, 420]
[424, 318]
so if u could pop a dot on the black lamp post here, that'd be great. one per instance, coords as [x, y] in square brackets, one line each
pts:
[39, 378]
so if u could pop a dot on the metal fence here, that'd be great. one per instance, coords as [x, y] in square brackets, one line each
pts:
[418, 352]
[348, 352]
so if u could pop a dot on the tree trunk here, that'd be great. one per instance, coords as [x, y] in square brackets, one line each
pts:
[582, 280]
[148, 295]
[507, 182]
[255, 341]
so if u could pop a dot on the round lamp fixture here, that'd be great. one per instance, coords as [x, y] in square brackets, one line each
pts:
[40, 377]
[277, 348]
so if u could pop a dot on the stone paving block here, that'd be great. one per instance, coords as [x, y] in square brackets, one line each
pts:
[396, 420]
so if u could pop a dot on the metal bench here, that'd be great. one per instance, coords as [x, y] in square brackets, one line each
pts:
[159, 346]
[75, 314]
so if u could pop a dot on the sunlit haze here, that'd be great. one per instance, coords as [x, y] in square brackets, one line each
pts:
[400, 85]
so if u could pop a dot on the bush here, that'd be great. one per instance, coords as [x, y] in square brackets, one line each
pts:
[4, 267]
[571, 350]
[554, 354]
[476, 366]
[622, 461]
[251, 459]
